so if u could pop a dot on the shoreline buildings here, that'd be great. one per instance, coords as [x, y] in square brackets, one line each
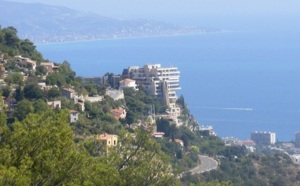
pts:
[263, 138]
[297, 139]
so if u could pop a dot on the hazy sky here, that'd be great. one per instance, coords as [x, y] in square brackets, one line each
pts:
[207, 12]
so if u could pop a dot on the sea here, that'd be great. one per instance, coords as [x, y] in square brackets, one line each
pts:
[237, 82]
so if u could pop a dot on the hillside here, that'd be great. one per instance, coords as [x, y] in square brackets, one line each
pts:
[54, 132]
[64, 24]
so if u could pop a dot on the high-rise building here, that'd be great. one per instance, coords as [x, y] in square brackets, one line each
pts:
[297, 139]
[161, 82]
[263, 138]
[155, 79]
[97, 80]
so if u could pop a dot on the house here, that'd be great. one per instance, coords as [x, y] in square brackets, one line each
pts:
[80, 104]
[74, 116]
[108, 140]
[68, 93]
[43, 86]
[54, 104]
[50, 67]
[179, 141]
[26, 62]
[208, 130]
[158, 134]
[127, 83]
[119, 113]
[115, 94]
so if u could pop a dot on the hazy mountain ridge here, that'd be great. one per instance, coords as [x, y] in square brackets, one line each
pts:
[44, 23]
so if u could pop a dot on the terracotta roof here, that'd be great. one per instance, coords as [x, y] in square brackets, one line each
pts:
[127, 80]
[178, 141]
[105, 136]
[158, 133]
[117, 113]
[47, 64]
[73, 111]
[68, 90]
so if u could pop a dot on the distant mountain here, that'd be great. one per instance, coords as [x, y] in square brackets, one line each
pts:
[44, 23]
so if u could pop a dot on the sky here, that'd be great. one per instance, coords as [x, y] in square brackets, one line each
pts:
[210, 13]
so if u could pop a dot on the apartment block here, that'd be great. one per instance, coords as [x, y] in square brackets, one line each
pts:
[162, 82]
[297, 139]
[263, 138]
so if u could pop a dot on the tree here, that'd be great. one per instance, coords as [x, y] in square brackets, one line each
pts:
[40, 106]
[3, 128]
[41, 151]
[19, 94]
[15, 78]
[53, 93]
[6, 91]
[130, 117]
[41, 70]
[163, 125]
[18, 79]
[33, 91]
[22, 109]
[10, 37]
[140, 161]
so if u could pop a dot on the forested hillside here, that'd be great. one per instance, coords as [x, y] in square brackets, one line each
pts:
[42, 144]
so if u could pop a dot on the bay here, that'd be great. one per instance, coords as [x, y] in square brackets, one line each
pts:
[238, 82]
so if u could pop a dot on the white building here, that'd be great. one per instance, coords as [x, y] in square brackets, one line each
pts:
[127, 83]
[73, 116]
[26, 62]
[68, 93]
[158, 81]
[55, 104]
[263, 138]
[296, 158]
[297, 139]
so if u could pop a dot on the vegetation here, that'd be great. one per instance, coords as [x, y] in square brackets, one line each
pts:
[12, 45]
[39, 146]
[40, 151]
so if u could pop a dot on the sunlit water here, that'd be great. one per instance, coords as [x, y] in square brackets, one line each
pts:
[238, 82]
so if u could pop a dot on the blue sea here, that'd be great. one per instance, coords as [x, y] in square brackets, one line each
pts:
[237, 82]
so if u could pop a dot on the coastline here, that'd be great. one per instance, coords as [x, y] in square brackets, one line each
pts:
[132, 37]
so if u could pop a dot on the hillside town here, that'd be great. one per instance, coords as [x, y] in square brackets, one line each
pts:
[157, 81]
[126, 129]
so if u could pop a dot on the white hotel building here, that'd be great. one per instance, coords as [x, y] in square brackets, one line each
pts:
[158, 81]
[263, 138]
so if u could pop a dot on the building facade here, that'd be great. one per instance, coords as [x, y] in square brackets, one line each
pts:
[74, 116]
[108, 141]
[127, 83]
[97, 80]
[297, 139]
[158, 81]
[263, 138]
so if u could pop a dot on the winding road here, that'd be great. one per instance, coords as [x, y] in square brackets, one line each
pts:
[207, 164]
